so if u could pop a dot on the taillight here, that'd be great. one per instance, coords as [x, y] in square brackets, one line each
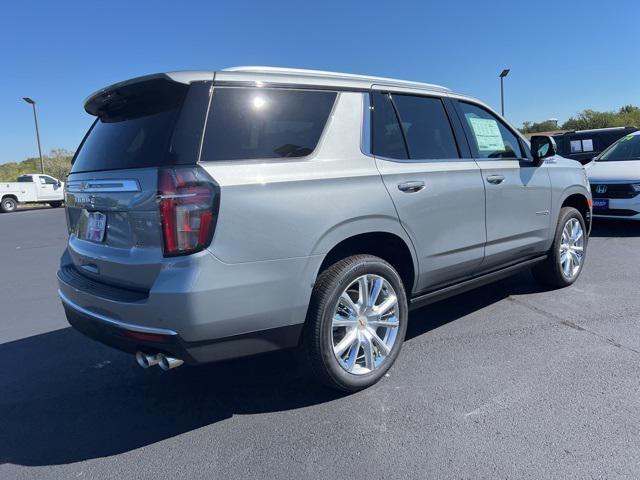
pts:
[188, 202]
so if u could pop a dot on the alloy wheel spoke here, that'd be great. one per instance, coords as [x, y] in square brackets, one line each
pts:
[387, 305]
[375, 291]
[346, 342]
[367, 348]
[345, 299]
[390, 322]
[378, 342]
[340, 321]
[352, 357]
[363, 291]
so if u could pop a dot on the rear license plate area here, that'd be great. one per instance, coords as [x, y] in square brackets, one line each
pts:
[95, 227]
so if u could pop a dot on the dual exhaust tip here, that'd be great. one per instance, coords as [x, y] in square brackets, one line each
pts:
[166, 363]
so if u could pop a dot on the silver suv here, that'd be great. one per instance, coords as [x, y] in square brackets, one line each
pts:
[214, 215]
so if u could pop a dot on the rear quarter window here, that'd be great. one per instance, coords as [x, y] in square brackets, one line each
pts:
[262, 123]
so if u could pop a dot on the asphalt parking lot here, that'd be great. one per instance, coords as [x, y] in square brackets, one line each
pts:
[508, 381]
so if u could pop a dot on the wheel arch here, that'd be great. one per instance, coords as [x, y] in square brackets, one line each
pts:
[391, 246]
[580, 201]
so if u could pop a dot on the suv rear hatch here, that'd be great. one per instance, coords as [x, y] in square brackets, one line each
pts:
[135, 194]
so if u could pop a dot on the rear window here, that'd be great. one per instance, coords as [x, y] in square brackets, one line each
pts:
[138, 126]
[262, 123]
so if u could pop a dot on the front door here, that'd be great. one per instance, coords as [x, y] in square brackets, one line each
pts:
[47, 188]
[436, 187]
[518, 194]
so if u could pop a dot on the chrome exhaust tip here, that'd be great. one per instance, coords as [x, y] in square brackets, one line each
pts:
[167, 363]
[146, 361]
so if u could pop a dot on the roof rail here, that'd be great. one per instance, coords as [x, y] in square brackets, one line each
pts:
[335, 75]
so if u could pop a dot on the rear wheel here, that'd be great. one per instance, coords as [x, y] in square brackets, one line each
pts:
[8, 204]
[567, 254]
[356, 323]
[55, 204]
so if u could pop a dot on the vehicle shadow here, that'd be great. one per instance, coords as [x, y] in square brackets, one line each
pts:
[603, 227]
[66, 398]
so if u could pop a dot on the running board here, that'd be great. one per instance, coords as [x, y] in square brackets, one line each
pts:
[446, 292]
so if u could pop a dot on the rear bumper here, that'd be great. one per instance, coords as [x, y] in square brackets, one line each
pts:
[131, 338]
[199, 309]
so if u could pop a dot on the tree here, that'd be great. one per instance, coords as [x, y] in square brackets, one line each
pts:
[535, 127]
[627, 116]
[57, 163]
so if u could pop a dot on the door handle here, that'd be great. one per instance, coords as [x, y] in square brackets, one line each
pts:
[495, 179]
[411, 187]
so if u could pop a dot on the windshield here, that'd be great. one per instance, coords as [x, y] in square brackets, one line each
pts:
[627, 148]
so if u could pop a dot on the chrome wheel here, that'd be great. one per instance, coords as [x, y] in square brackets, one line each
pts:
[365, 324]
[571, 248]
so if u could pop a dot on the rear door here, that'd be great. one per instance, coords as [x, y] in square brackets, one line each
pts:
[435, 184]
[518, 194]
[112, 201]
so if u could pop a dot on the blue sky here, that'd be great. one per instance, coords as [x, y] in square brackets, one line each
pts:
[564, 56]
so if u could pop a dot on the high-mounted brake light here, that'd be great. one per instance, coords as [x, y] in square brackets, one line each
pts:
[188, 201]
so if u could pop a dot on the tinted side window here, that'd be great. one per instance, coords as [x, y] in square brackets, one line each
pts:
[261, 123]
[50, 180]
[426, 127]
[490, 137]
[25, 179]
[388, 140]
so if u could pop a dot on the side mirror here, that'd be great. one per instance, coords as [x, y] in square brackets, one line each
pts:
[542, 147]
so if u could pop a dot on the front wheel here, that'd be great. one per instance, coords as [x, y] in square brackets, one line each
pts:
[8, 205]
[568, 252]
[356, 322]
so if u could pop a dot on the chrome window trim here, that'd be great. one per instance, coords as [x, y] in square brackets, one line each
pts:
[103, 186]
[111, 321]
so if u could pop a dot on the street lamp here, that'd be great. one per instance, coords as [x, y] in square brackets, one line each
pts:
[503, 74]
[32, 102]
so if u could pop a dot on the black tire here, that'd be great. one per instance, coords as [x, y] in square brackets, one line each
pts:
[549, 272]
[55, 204]
[8, 205]
[317, 340]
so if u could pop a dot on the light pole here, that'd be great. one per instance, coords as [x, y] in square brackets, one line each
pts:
[503, 74]
[35, 118]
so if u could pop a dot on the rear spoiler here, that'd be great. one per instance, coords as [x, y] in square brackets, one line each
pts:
[94, 102]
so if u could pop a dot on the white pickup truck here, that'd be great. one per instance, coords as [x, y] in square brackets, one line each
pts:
[31, 188]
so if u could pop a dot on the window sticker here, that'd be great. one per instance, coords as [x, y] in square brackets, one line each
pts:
[487, 134]
[576, 146]
[587, 145]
